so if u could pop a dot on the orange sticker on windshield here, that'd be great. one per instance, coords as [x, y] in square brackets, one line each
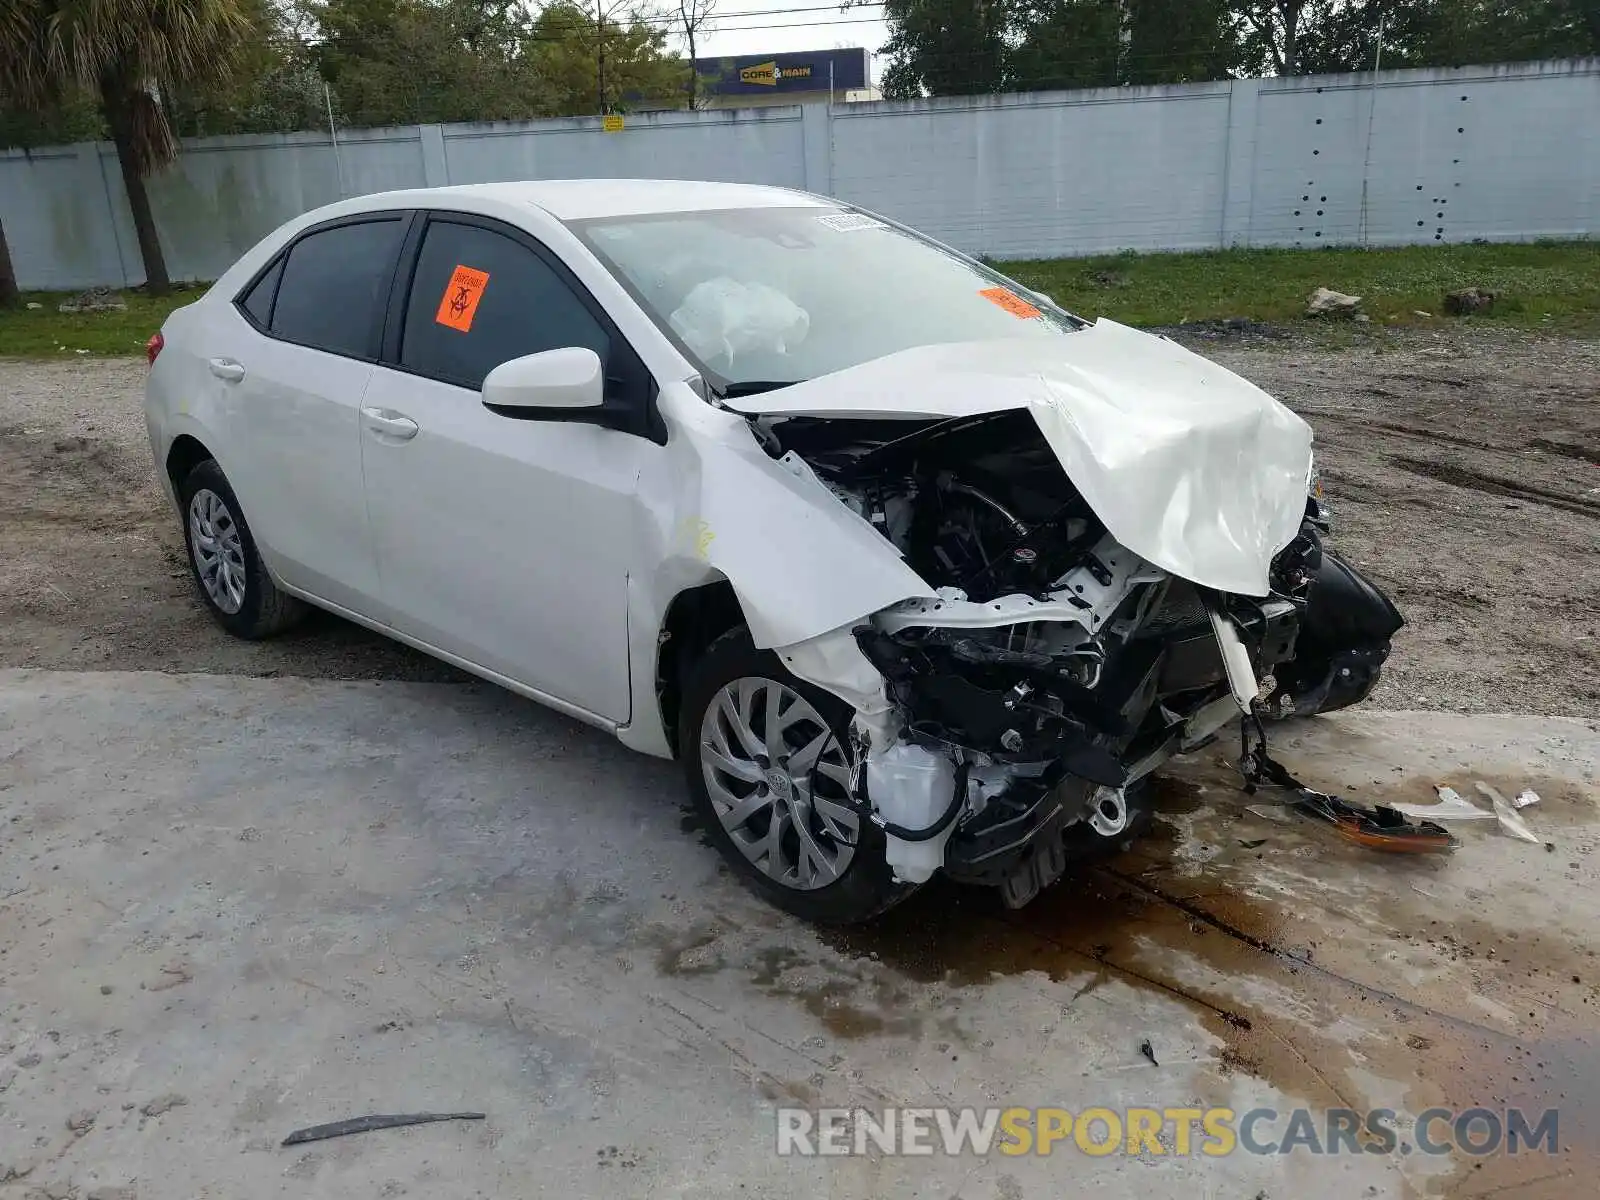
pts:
[460, 299]
[1010, 301]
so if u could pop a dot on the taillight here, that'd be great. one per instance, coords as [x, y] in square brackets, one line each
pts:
[153, 346]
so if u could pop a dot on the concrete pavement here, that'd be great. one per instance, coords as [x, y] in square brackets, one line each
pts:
[284, 902]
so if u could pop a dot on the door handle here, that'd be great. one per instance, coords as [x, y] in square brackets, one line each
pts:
[389, 423]
[226, 368]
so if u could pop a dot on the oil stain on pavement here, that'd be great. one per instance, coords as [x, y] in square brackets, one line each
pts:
[1338, 976]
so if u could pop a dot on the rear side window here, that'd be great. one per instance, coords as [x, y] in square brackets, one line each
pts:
[333, 284]
[479, 299]
[258, 300]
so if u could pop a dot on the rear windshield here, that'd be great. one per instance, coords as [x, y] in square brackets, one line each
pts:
[764, 296]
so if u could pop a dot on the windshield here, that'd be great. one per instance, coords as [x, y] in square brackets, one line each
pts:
[762, 297]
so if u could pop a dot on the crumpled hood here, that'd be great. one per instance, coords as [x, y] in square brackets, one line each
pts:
[1189, 466]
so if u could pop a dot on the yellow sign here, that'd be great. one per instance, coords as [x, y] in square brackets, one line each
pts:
[611, 123]
[768, 74]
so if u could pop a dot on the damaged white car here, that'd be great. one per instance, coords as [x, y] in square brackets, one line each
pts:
[912, 569]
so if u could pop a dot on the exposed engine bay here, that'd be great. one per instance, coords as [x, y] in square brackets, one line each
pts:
[1055, 668]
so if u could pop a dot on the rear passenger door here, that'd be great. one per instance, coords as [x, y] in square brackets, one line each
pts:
[292, 385]
[504, 541]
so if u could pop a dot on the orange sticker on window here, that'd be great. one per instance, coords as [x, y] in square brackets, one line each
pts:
[1011, 302]
[460, 299]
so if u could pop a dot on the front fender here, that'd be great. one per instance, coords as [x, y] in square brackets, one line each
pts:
[714, 505]
[800, 562]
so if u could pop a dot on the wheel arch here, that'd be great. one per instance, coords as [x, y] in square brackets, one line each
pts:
[696, 617]
[185, 454]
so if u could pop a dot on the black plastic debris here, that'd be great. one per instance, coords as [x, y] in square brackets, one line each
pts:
[318, 1133]
[1378, 828]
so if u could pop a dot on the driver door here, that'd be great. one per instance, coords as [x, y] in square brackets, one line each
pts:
[501, 540]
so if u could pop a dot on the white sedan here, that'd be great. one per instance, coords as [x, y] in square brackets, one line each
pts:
[912, 569]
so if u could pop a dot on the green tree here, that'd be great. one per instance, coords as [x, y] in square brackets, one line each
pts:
[692, 16]
[396, 61]
[273, 88]
[1179, 41]
[1274, 32]
[945, 47]
[124, 52]
[1291, 37]
[73, 118]
[619, 65]
[1467, 31]
[1061, 44]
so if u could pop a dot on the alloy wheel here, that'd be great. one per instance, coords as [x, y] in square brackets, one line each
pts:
[218, 550]
[779, 781]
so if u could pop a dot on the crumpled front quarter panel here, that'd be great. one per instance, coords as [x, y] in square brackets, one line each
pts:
[800, 562]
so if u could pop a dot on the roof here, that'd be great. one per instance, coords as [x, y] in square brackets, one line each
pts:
[577, 199]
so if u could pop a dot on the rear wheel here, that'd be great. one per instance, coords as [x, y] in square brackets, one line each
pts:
[227, 566]
[766, 757]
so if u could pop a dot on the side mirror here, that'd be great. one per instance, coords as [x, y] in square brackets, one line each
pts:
[569, 378]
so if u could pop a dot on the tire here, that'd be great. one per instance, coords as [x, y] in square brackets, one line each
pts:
[732, 685]
[232, 580]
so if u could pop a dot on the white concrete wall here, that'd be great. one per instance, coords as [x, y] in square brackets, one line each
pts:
[1507, 152]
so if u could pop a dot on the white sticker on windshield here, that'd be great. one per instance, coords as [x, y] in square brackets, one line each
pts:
[848, 222]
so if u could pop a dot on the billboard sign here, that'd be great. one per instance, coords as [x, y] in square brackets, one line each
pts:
[802, 71]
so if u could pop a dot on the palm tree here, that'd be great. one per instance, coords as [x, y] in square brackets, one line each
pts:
[9, 296]
[123, 52]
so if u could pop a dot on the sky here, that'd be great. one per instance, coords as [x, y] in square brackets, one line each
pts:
[785, 26]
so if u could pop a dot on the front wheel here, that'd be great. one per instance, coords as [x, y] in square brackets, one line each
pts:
[767, 760]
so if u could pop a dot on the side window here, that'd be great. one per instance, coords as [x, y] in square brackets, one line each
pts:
[258, 300]
[332, 285]
[479, 299]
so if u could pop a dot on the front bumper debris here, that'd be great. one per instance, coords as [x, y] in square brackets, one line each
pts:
[1377, 828]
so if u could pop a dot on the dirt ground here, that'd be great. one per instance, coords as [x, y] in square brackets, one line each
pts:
[1461, 467]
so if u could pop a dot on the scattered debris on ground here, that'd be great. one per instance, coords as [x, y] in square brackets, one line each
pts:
[318, 1133]
[1380, 827]
[1227, 329]
[1468, 301]
[1324, 302]
[96, 299]
[1452, 806]
[1510, 820]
